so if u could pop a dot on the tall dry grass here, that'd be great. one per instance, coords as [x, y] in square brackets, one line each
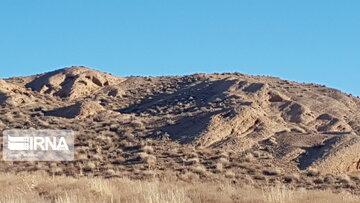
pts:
[43, 188]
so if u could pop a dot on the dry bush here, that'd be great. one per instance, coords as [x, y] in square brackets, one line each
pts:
[224, 154]
[193, 161]
[249, 157]
[355, 177]
[230, 174]
[147, 149]
[256, 154]
[97, 157]
[110, 172]
[319, 180]
[119, 160]
[128, 134]
[200, 169]
[147, 158]
[272, 172]
[329, 179]
[345, 179]
[139, 125]
[81, 157]
[89, 166]
[219, 167]
[312, 172]
[292, 178]
[223, 161]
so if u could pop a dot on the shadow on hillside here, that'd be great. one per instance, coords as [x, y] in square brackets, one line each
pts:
[188, 129]
[314, 153]
[201, 94]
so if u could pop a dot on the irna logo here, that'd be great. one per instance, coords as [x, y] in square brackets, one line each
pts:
[37, 143]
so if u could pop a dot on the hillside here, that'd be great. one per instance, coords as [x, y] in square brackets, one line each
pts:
[201, 126]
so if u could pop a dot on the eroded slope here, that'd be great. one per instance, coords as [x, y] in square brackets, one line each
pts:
[289, 125]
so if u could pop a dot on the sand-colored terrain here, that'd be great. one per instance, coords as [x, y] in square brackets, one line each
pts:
[223, 127]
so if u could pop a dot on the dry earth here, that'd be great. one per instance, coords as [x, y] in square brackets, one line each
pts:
[203, 127]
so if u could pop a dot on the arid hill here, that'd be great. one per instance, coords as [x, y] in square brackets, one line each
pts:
[211, 125]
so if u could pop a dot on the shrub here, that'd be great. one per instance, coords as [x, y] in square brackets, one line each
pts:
[199, 169]
[273, 172]
[312, 172]
[110, 172]
[223, 161]
[219, 167]
[229, 174]
[147, 149]
[89, 166]
[249, 157]
[193, 161]
[146, 158]
[138, 125]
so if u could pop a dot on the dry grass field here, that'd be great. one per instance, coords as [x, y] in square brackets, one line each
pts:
[39, 188]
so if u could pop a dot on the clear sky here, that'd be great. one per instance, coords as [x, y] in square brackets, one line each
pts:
[302, 40]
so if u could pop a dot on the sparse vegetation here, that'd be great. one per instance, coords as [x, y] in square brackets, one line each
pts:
[225, 130]
[42, 188]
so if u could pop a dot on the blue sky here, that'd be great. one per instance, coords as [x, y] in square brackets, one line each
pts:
[307, 41]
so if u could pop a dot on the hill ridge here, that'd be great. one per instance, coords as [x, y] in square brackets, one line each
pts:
[296, 126]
